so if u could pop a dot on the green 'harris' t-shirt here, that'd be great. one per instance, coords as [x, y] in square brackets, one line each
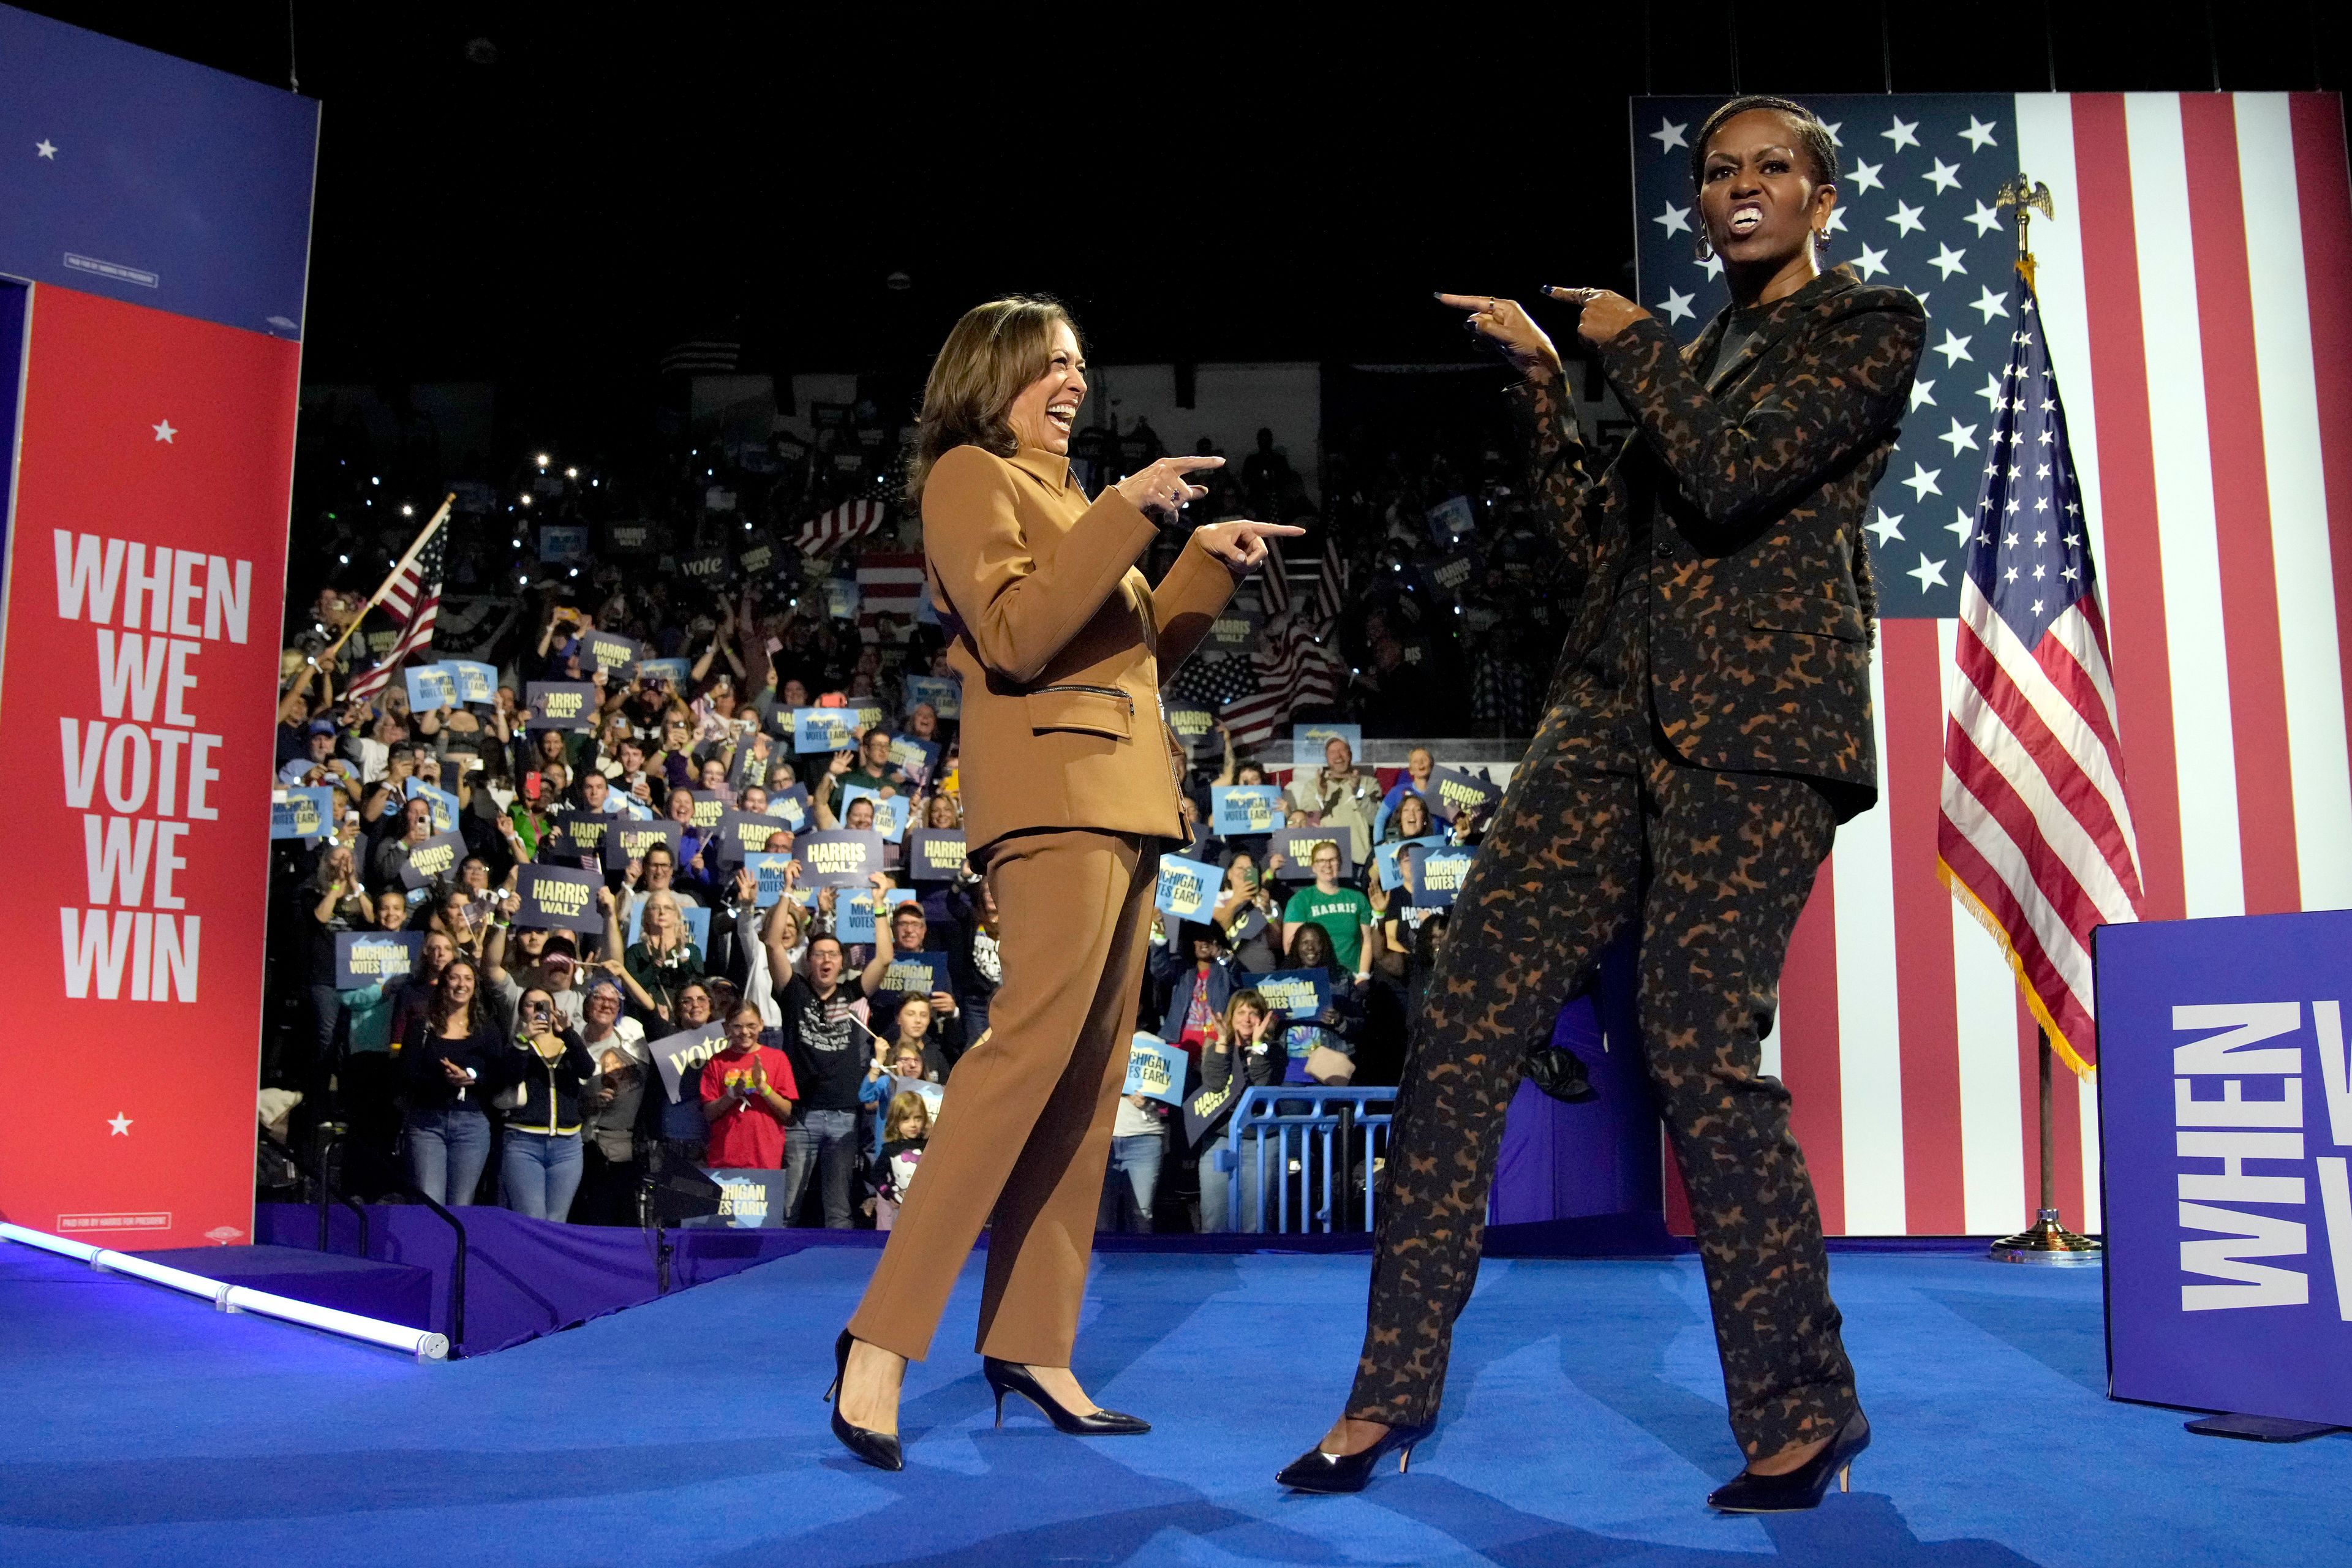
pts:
[1343, 914]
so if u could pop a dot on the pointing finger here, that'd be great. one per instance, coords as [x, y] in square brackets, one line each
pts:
[1470, 301]
[1186, 465]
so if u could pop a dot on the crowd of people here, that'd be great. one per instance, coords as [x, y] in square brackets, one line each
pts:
[517, 1063]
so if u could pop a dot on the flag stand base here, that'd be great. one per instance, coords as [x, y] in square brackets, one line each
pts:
[2046, 1241]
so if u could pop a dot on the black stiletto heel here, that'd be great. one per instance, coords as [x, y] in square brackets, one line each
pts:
[1011, 1377]
[1801, 1487]
[1317, 1472]
[879, 1449]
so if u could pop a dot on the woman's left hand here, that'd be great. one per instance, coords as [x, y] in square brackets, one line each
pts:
[1606, 312]
[1242, 545]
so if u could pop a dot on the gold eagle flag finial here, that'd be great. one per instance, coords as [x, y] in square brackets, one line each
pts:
[2027, 196]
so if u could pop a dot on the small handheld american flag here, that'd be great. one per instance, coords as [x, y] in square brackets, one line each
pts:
[413, 593]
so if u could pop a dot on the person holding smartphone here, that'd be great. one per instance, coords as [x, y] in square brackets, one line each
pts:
[539, 1081]
[446, 1056]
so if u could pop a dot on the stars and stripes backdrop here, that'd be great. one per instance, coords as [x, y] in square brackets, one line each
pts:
[414, 596]
[2195, 294]
[836, 527]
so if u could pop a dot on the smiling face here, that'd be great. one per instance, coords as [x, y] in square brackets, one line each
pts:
[914, 1023]
[861, 814]
[1412, 817]
[1761, 194]
[1045, 412]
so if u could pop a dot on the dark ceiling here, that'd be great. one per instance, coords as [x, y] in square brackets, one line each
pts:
[553, 195]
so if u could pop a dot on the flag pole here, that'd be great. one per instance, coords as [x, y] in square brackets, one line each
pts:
[392, 576]
[2046, 1240]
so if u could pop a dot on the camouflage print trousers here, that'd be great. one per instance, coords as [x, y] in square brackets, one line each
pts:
[1601, 826]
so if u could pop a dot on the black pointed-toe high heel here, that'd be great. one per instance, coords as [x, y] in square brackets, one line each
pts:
[1801, 1487]
[1317, 1472]
[879, 1449]
[1011, 1377]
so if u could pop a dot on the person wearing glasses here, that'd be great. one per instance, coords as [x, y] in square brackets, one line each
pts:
[747, 1098]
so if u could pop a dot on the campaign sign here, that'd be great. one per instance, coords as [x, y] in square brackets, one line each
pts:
[1297, 846]
[1452, 576]
[757, 558]
[577, 833]
[944, 692]
[430, 686]
[840, 599]
[430, 861]
[747, 760]
[769, 871]
[302, 811]
[1385, 858]
[610, 651]
[1206, 1110]
[560, 898]
[889, 810]
[710, 806]
[824, 729]
[366, 958]
[705, 566]
[935, 855]
[697, 924]
[628, 840]
[1307, 741]
[839, 859]
[1435, 875]
[1452, 518]
[1235, 631]
[932, 1095]
[1245, 808]
[745, 833]
[748, 1200]
[677, 671]
[1188, 889]
[562, 543]
[445, 805]
[475, 681]
[2225, 1119]
[1155, 1069]
[1453, 793]
[561, 704]
[1195, 725]
[916, 755]
[789, 808]
[916, 973]
[1298, 993]
[629, 538]
[853, 918]
[674, 1055]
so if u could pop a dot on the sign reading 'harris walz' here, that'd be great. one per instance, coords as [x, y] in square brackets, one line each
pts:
[2226, 1134]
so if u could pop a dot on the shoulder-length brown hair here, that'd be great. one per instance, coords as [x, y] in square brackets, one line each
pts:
[997, 349]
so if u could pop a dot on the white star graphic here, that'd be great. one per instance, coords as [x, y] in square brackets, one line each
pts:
[2039, 540]
[120, 1123]
[1677, 306]
[1865, 177]
[2013, 505]
[2009, 576]
[1676, 219]
[164, 432]
[1832, 127]
[1992, 304]
[1943, 176]
[1886, 527]
[1985, 218]
[47, 149]
[1930, 573]
[1907, 218]
[2041, 471]
[1960, 526]
[1978, 135]
[1902, 135]
[1923, 482]
[2037, 604]
[1949, 261]
[1837, 221]
[1870, 263]
[1954, 348]
[1922, 297]
[2069, 573]
[1712, 265]
[1960, 436]
[1668, 135]
[1922, 392]
[2042, 503]
[2040, 572]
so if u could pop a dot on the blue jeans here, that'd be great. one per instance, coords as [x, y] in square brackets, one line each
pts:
[1229, 1199]
[539, 1172]
[1136, 1158]
[829, 1140]
[447, 1147]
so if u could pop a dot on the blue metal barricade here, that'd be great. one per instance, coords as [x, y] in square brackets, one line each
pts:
[1302, 1158]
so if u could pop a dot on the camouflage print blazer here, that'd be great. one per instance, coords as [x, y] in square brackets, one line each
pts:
[1750, 490]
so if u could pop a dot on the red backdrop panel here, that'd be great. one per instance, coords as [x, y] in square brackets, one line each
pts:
[143, 431]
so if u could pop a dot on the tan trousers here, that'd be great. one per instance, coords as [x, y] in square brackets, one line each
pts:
[1025, 1128]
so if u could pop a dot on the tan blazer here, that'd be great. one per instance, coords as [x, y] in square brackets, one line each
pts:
[1062, 645]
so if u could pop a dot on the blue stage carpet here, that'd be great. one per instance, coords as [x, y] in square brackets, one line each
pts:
[1585, 1425]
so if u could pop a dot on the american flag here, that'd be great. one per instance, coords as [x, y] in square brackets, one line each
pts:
[414, 595]
[2036, 834]
[850, 519]
[2195, 294]
[1293, 670]
[889, 583]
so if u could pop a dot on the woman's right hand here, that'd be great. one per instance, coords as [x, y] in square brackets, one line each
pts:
[1165, 486]
[1511, 330]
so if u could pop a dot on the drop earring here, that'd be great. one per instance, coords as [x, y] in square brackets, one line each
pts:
[1706, 251]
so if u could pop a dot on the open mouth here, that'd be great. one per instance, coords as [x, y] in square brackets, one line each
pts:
[1746, 219]
[1063, 417]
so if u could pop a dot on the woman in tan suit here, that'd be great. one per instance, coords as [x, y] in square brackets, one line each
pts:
[1070, 784]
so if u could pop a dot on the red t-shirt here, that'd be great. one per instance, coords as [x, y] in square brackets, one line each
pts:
[748, 1138]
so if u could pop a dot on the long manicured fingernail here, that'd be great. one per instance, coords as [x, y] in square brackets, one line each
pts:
[1550, 289]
